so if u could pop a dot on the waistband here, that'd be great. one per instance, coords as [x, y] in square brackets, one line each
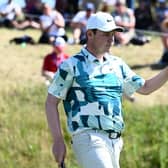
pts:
[110, 133]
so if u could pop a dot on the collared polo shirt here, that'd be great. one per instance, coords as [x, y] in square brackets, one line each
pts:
[92, 91]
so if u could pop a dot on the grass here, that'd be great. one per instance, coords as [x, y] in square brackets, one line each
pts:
[25, 141]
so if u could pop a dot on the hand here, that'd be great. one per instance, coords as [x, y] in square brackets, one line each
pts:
[59, 151]
[83, 24]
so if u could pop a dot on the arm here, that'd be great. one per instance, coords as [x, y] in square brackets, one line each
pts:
[154, 83]
[59, 149]
[59, 21]
[48, 74]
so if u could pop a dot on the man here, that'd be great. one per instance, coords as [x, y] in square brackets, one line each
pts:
[124, 17]
[91, 84]
[54, 59]
[162, 18]
[78, 24]
[10, 12]
[52, 25]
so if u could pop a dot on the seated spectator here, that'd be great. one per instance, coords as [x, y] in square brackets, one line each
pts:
[52, 25]
[162, 13]
[107, 5]
[33, 7]
[53, 59]
[78, 24]
[124, 17]
[143, 15]
[9, 13]
[33, 10]
[96, 3]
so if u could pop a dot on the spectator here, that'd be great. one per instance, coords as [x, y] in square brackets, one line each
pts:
[61, 5]
[53, 59]
[10, 12]
[70, 9]
[33, 7]
[143, 15]
[107, 5]
[130, 4]
[33, 10]
[162, 21]
[124, 17]
[161, 11]
[52, 25]
[96, 3]
[78, 24]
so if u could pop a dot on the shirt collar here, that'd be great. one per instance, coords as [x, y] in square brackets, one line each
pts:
[91, 57]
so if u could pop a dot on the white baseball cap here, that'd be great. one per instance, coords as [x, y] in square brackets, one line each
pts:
[59, 41]
[102, 21]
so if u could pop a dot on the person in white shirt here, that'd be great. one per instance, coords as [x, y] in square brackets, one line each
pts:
[52, 25]
[9, 13]
[124, 17]
[78, 23]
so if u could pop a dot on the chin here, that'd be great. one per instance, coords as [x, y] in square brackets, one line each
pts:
[108, 49]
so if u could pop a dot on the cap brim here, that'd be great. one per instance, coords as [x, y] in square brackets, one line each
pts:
[117, 29]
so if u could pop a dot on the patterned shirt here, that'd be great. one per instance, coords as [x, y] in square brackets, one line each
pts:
[92, 90]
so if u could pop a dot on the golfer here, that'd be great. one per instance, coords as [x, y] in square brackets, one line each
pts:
[91, 84]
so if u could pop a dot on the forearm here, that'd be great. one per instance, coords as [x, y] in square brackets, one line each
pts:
[155, 82]
[59, 21]
[48, 74]
[53, 117]
[59, 148]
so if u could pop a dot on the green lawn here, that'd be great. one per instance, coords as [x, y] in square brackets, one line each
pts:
[25, 141]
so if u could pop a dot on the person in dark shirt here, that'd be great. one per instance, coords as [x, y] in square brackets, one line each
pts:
[143, 15]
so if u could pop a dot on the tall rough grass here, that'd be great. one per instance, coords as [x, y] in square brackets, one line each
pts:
[26, 142]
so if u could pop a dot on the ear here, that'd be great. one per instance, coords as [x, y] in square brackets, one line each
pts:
[89, 34]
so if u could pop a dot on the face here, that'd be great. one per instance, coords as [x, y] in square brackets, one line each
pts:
[46, 9]
[88, 13]
[58, 49]
[101, 41]
[120, 7]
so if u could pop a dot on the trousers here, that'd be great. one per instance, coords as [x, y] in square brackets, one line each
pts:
[94, 148]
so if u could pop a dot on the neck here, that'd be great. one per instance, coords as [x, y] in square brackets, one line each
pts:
[97, 54]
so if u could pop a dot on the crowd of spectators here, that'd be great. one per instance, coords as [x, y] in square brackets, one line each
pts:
[134, 16]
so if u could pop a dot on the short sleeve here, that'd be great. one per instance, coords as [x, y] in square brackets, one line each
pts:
[79, 17]
[45, 64]
[132, 81]
[62, 81]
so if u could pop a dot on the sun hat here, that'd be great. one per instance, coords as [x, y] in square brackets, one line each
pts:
[102, 21]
